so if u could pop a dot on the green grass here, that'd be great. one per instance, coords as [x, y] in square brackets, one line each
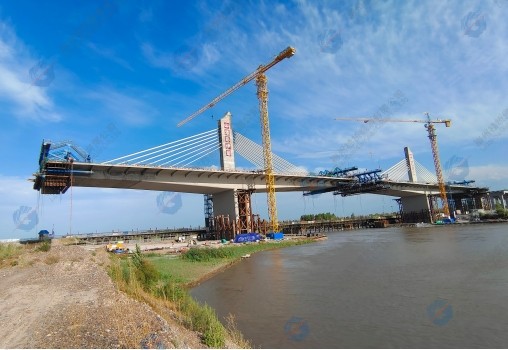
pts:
[141, 278]
[9, 253]
[153, 278]
[10, 250]
[199, 262]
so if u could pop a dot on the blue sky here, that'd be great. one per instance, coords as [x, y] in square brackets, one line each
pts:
[116, 77]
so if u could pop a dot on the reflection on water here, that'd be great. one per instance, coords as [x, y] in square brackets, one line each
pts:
[401, 287]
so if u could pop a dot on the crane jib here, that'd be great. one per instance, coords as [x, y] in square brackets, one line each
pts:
[286, 53]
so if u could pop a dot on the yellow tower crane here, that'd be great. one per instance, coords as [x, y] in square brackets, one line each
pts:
[429, 125]
[262, 94]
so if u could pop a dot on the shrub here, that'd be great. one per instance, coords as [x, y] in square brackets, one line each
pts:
[145, 271]
[207, 254]
[44, 246]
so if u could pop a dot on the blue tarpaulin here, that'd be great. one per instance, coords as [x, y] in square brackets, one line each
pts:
[247, 237]
[275, 235]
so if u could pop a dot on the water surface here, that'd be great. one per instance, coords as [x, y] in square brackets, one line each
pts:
[399, 287]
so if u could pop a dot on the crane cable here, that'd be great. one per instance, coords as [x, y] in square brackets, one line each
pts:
[71, 178]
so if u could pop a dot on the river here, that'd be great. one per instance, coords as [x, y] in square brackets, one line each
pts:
[436, 287]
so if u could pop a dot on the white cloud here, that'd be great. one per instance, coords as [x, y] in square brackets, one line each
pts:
[192, 59]
[494, 172]
[121, 106]
[109, 54]
[18, 94]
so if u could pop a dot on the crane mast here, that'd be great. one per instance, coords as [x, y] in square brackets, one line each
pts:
[437, 164]
[262, 94]
[429, 125]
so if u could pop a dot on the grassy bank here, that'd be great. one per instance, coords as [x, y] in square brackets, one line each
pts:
[10, 252]
[198, 264]
[162, 281]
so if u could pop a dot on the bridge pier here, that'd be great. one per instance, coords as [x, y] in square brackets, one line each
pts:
[415, 208]
[225, 203]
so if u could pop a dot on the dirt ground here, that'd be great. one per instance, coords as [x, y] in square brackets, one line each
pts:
[64, 298]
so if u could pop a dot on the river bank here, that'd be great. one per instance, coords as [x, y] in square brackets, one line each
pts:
[163, 282]
[64, 296]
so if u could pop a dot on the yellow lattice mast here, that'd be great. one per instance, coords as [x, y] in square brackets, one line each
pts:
[261, 82]
[429, 125]
[437, 164]
[262, 93]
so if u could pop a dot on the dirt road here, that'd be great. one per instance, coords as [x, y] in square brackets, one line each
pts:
[64, 298]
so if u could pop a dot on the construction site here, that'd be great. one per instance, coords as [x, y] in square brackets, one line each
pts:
[421, 195]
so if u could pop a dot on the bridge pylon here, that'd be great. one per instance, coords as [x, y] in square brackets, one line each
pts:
[227, 152]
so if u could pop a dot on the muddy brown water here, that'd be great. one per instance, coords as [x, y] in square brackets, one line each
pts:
[443, 287]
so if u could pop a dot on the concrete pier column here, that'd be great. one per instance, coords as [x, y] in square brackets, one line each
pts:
[225, 203]
[418, 204]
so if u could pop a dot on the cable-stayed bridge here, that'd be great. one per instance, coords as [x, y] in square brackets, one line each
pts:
[172, 167]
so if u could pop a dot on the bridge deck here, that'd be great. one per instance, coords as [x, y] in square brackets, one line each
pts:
[55, 178]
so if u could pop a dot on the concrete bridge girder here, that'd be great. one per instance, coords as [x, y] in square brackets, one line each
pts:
[201, 181]
[223, 184]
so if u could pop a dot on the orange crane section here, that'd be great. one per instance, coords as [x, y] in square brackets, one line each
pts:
[262, 94]
[431, 130]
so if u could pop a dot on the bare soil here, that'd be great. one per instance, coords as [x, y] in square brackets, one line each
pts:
[64, 298]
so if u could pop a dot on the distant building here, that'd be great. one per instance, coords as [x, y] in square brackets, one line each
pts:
[499, 197]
